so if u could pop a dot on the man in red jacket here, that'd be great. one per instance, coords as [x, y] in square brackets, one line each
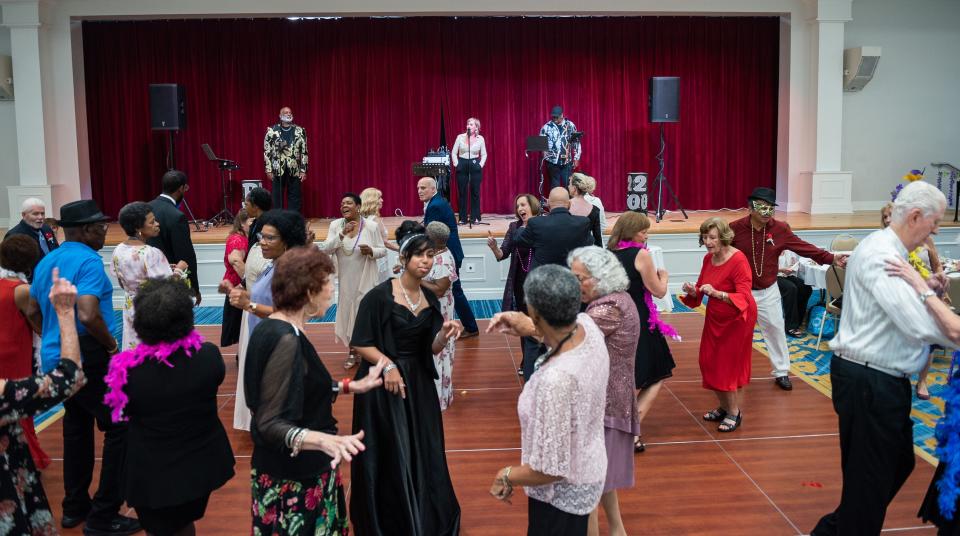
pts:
[762, 239]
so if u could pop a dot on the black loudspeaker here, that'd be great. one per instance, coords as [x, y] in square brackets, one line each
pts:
[664, 99]
[168, 109]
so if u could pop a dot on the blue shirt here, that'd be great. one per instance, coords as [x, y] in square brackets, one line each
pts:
[82, 266]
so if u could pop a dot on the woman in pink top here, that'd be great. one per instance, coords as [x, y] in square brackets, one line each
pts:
[563, 460]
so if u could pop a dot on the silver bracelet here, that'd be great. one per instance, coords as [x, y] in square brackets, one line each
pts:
[298, 442]
[288, 438]
[388, 368]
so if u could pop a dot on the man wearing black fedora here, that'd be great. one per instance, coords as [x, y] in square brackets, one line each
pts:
[762, 239]
[85, 230]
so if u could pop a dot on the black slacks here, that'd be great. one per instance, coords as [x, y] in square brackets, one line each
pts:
[81, 412]
[292, 184]
[559, 175]
[794, 294]
[469, 177]
[876, 446]
[462, 306]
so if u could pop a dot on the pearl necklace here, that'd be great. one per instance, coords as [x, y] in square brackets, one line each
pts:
[753, 251]
[413, 306]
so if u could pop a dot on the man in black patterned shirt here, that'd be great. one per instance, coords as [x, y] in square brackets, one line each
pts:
[563, 154]
[285, 159]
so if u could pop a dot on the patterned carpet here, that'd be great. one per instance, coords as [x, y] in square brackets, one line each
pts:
[812, 365]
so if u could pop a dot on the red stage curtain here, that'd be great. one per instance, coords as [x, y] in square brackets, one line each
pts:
[369, 92]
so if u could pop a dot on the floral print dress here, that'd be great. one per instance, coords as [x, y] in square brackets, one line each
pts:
[132, 265]
[23, 504]
[445, 266]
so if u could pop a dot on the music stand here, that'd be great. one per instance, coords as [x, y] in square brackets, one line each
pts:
[537, 144]
[661, 180]
[224, 217]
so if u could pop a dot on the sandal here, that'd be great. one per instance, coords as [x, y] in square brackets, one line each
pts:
[796, 333]
[638, 445]
[730, 423]
[716, 415]
[350, 361]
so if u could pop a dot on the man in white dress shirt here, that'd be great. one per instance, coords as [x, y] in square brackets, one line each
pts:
[884, 337]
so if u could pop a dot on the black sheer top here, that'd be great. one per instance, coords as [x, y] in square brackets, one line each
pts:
[286, 386]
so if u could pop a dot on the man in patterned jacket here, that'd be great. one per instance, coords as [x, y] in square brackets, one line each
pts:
[285, 159]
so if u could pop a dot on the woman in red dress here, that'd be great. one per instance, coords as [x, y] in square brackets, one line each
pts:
[726, 343]
[19, 255]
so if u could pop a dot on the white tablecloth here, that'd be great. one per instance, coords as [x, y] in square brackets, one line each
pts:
[664, 304]
[813, 274]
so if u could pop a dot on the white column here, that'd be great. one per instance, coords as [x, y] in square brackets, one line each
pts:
[24, 21]
[831, 187]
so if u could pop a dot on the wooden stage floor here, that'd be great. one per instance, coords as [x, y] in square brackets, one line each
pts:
[673, 223]
[776, 475]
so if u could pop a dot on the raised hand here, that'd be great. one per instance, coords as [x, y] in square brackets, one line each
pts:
[689, 289]
[342, 447]
[63, 295]
[491, 241]
[371, 381]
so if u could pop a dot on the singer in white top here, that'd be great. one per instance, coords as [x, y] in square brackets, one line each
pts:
[469, 155]
[884, 337]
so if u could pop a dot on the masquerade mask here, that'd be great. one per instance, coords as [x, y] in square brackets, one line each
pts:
[762, 208]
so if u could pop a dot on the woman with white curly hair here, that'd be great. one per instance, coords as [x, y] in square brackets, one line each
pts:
[603, 285]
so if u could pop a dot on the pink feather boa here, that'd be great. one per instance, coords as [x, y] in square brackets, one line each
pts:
[121, 364]
[655, 323]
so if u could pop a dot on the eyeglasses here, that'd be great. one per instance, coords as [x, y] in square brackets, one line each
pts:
[267, 238]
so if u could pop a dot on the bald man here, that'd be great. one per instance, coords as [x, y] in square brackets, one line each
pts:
[555, 236]
[285, 159]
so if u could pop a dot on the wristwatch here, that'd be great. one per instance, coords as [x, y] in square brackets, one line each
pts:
[927, 294]
[253, 307]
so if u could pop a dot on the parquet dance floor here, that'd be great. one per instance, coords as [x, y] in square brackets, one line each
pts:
[776, 475]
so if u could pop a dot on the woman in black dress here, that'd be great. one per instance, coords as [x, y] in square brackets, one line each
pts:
[400, 483]
[177, 450]
[296, 481]
[654, 362]
[526, 206]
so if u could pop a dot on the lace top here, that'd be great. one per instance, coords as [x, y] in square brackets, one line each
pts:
[561, 423]
[616, 316]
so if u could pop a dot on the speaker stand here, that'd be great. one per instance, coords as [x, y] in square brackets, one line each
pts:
[662, 181]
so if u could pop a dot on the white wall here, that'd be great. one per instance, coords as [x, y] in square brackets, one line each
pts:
[909, 114]
[9, 168]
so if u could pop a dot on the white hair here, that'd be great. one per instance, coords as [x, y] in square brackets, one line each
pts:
[920, 195]
[31, 202]
[604, 266]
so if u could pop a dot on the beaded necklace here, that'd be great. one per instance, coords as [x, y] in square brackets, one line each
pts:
[526, 269]
[357, 241]
[753, 251]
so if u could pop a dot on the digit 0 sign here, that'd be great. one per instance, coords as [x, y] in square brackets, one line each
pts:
[637, 192]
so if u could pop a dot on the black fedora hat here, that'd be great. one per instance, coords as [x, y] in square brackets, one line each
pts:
[82, 212]
[764, 194]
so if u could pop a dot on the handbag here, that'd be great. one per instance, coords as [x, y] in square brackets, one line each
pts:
[818, 316]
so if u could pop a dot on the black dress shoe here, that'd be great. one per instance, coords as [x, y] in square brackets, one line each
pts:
[118, 526]
[68, 522]
[783, 382]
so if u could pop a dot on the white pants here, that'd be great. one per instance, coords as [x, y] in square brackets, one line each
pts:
[770, 320]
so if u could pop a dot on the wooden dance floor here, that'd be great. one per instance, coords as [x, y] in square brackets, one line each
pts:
[776, 475]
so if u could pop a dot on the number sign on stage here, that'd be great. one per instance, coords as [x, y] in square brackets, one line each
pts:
[637, 192]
